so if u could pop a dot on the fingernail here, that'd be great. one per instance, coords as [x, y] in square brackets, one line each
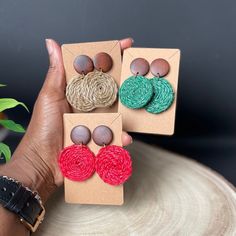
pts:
[132, 40]
[131, 139]
[49, 46]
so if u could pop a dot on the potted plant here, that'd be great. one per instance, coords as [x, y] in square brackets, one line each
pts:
[6, 124]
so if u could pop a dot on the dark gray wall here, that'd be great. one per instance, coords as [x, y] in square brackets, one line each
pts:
[205, 32]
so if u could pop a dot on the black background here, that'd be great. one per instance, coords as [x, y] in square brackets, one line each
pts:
[204, 31]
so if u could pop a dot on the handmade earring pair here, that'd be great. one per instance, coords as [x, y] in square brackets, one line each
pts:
[154, 95]
[92, 88]
[77, 162]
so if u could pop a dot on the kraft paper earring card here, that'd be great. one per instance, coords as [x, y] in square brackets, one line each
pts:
[92, 75]
[93, 190]
[148, 90]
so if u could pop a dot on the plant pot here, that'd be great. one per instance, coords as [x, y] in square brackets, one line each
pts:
[3, 131]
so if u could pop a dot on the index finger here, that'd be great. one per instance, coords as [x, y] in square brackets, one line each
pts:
[126, 43]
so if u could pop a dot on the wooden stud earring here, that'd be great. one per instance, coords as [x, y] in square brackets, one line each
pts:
[137, 90]
[112, 163]
[75, 89]
[163, 91]
[101, 84]
[92, 89]
[77, 162]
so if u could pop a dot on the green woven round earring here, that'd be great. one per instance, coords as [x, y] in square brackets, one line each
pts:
[136, 91]
[163, 91]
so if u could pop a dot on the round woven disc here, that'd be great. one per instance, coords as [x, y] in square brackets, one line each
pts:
[136, 92]
[163, 96]
[113, 164]
[100, 89]
[75, 94]
[77, 162]
[96, 89]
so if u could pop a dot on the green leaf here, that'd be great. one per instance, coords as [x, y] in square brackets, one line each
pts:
[11, 125]
[7, 103]
[2, 85]
[5, 150]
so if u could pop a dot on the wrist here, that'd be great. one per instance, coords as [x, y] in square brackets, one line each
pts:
[32, 172]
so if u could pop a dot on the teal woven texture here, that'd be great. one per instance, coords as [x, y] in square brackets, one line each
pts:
[163, 96]
[136, 92]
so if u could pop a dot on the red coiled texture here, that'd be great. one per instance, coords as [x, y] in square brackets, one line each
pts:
[77, 162]
[113, 164]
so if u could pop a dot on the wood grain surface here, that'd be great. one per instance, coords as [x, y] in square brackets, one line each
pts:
[167, 195]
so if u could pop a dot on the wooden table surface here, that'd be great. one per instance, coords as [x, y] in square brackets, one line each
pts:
[167, 195]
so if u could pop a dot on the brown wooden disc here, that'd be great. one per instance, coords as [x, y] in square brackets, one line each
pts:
[83, 64]
[80, 135]
[160, 67]
[102, 135]
[103, 61]
[139, 66]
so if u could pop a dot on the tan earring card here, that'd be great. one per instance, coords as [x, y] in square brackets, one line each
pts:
[139, 120]
[71, 51]
[93, 190]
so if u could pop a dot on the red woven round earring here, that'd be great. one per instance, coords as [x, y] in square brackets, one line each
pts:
[113, 163]
[77, 162]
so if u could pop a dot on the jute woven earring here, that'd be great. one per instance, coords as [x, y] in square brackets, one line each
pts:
[100, 83]
[136, 91]
[92, 89]
[75, 88]
[112, 163]
[77, 162]
[163, 92]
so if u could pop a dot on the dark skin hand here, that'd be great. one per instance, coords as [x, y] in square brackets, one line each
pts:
[34, 162]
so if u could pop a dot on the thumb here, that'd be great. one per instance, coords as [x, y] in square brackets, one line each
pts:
[55, 79]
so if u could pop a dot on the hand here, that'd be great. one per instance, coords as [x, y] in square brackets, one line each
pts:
[35, 160]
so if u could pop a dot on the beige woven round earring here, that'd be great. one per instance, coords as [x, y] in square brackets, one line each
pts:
[92, 89]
